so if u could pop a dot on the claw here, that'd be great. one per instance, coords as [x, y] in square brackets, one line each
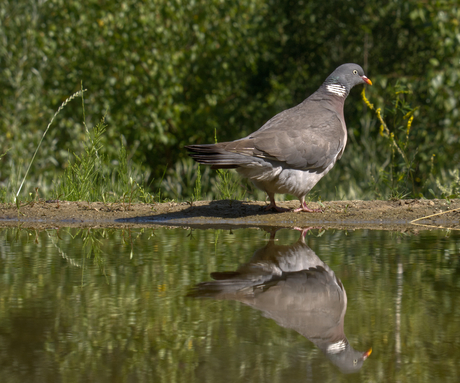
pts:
[304, 207]
[277, 208]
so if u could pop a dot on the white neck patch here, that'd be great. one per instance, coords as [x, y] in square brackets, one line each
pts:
[337, 89]
[335, 348]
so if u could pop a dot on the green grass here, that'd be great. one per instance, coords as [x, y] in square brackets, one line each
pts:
[89, 176]
[229, 185]
[451, 188]
[93, 177]
[395, 178]
[79, 93]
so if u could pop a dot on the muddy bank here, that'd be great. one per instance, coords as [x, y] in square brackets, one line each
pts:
[387, 215]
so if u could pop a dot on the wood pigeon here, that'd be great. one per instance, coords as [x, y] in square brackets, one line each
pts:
[296, 148]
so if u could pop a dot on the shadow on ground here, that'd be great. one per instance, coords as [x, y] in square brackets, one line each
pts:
[215, 214]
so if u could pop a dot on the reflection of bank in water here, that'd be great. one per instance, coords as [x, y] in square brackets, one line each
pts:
[292, 286]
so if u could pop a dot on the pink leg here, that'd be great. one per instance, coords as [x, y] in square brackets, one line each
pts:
[304, 207]
[273, 205]
[305, 231]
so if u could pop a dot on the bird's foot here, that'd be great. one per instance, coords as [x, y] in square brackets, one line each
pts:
[277, 208]
[305, 230]
[304, 207]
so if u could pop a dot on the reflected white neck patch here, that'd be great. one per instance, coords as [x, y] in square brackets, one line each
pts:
[337, 89]
[335, 348]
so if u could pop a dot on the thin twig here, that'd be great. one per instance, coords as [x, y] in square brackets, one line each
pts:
[433, 215]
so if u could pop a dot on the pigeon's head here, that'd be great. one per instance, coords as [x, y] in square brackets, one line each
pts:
[344, 78]
[349, 360]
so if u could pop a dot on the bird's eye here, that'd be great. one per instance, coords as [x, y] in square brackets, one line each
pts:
[355, 71]
[355, 360]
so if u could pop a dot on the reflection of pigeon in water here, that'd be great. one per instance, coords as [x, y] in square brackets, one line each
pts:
[292, 286]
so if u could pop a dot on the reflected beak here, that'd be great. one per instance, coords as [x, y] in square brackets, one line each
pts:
[368, 352]
[367, 81]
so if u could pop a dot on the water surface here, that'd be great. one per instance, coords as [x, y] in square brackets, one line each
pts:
[131, 306]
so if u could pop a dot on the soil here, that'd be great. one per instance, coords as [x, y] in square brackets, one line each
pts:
[387, 215]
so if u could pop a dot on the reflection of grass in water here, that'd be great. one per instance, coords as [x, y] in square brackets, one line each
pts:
[92, 240]
[92, 245]
[62, 253]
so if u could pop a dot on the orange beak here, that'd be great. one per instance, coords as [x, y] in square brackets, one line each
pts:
[366, 80]
[368, 352]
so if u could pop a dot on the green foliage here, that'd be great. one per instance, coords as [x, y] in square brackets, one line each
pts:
[180, 180]
[91, 177]
[84, 180]
[451, 188]
[197, 190]
[229, 185]
[79, 93]
[167, 74]
[395, 178]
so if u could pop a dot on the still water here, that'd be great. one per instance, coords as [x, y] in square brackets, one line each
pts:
[176, 305]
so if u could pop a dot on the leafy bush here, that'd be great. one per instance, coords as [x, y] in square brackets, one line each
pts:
[168, 73]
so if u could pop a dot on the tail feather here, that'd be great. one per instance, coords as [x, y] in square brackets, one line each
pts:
[216, 156]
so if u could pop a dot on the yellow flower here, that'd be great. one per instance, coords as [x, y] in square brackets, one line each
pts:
[409, 124]
[369, 105]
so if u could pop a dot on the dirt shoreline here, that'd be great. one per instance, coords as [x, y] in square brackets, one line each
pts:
[381, 215]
